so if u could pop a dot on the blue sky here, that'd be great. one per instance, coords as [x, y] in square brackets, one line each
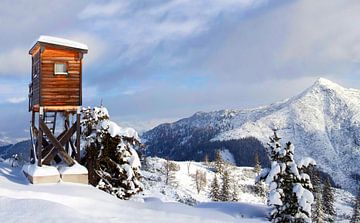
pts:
[157, 61]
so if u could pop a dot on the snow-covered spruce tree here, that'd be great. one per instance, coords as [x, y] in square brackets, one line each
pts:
[235, 192]
[317, 207]
[318, 210]
[215, 189]
[257, 167]
[225, 192]
[109, 154]
[328, 201]
[289, 187]
[356, 211]
[219, 163]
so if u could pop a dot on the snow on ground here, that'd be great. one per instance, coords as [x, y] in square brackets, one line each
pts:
[343, 205]
[67, 202]
[185, 190]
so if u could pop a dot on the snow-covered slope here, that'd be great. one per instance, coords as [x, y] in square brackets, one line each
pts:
[66, 202]
[184, 191]
[322, 122]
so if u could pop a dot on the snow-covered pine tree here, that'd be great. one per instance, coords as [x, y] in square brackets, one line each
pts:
[225, 187]
[317, 207]
[215, 189]
[109, 154]
[219, 162]
[318, 211]
[328, 201]
[235, 192]
[356, 211]
[257, 167]
[289, 187]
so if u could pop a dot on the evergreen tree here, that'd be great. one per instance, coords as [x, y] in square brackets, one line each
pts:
[110, 155]
[225, 187]
[356, 211]
[328, 200]
[317, 207]
[318, 211]
[215, 189]
[235, 192]
[257, 167]
[219, 163]
[290, 187]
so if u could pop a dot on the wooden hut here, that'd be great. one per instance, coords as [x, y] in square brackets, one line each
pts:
[56, 91]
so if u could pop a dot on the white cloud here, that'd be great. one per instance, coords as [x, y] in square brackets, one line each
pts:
[16, 100]
[324, 30]
[143, 27]
[97, 47]
[15, 62]
[102, 10]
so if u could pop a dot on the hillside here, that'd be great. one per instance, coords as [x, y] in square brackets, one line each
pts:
[184, 190]
[322, 122]
[66, 202]
[21, 148]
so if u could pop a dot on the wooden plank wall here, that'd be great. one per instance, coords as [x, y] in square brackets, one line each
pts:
[60, 90]
[35, 79]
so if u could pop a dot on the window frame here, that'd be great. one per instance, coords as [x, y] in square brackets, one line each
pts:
[66, 66]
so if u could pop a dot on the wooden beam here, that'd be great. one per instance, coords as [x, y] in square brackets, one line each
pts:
[78, 134]
[39, 139]
[68, 160]
[52, 150]
[48, 148]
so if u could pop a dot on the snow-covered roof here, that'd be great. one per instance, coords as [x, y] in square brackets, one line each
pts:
[60, 42]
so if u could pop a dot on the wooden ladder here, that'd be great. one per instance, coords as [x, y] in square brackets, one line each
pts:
[50, 120]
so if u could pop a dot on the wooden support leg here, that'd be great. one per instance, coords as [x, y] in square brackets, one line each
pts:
[39, 140]
[60, 149]
[67, 126]
[78, 132]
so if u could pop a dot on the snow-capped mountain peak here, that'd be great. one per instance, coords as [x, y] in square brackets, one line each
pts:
[322, 122]
[325, 83]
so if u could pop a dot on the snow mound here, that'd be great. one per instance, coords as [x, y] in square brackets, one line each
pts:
[35, 170]
[74, 169]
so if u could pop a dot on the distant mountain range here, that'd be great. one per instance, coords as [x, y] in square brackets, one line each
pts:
[322, 122]
[21, 148]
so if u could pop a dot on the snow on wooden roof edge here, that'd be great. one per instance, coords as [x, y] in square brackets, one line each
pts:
[61, 42]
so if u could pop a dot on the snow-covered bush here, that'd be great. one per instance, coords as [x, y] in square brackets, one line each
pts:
[289, 186]
[109, 154]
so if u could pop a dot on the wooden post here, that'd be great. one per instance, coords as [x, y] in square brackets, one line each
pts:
[67, 126]
[40, 137]
[78, 132]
